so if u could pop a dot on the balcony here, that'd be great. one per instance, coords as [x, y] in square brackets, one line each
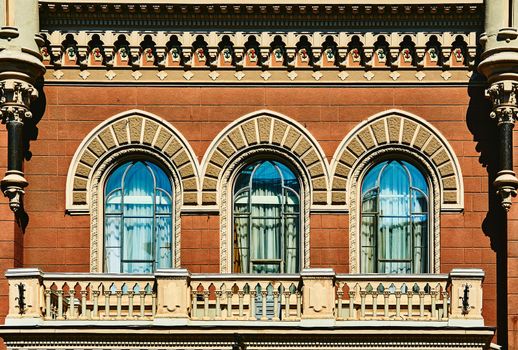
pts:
[315, 297]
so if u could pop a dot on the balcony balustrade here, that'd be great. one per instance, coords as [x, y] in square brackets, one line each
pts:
[177, 297]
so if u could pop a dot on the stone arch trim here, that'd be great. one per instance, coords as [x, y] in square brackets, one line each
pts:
[264, 129]
[405, 130]
[136, 130]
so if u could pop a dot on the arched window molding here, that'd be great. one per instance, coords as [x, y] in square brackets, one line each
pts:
[129, 135]
[225, 188]
[271, 130]
[354, 190]
[134, 128]
[401, 129]
[98, 181]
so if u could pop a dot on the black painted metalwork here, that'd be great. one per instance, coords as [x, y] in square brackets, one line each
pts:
[21, 298]
[465, 300]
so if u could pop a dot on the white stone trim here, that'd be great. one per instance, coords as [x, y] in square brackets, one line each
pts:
[422, 123]
[72, 208]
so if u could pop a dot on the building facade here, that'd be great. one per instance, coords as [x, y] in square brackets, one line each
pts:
[216, 175]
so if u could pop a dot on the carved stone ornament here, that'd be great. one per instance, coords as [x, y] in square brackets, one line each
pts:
[15, 99]
[503, 97]
[505, 111]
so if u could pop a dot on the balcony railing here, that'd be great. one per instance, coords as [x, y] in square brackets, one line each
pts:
[178, 297]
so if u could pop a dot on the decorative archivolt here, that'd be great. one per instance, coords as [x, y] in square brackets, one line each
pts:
[261, 50]
[397, 132]
[131, 132]
[264, 132]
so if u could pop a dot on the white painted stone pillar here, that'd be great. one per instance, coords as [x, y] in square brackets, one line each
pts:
[25, 296]
[466, 296]
[173, 294]
[318, 295]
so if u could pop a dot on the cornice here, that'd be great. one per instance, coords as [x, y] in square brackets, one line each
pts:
[266, 14]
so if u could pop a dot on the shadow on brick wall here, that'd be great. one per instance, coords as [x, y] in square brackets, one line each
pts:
[485, 134]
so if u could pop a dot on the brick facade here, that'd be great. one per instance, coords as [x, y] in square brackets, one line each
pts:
[54, 241]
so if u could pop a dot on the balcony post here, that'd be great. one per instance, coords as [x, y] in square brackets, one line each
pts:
[466, 296]
[318, 295]
[173, 294]
[25, 296]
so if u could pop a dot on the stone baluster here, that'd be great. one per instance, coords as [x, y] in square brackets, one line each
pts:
[386, 296]
[60, 304]
[251, 311]
[229, 303]
[107, 294]
[339, 295]
[275, 303]
[95, 311]
[206, 294]
[287, 297]
[352, 311]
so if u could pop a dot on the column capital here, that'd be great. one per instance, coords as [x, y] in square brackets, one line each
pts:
[503, 96]
[16, 97]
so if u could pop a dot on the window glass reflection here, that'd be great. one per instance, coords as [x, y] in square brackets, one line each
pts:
[266, 222]
[394, 219]
[137, 219]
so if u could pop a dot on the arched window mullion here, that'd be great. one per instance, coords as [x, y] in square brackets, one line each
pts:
[145, 255]
[270, 213]
[390, 256]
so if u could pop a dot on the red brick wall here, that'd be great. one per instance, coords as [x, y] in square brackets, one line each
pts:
[54, 241]
[512, 253]
[11, 248]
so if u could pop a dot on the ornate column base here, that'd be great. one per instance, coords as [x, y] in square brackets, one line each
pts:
[12, 186]
[506, 187]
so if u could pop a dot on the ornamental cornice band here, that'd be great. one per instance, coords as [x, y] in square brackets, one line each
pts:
[165, 52]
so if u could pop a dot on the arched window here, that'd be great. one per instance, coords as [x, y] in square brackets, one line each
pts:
[266, 219]
[394, 219]
[137, 218]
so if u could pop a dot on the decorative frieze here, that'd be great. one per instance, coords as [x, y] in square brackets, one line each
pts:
[323, 54]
